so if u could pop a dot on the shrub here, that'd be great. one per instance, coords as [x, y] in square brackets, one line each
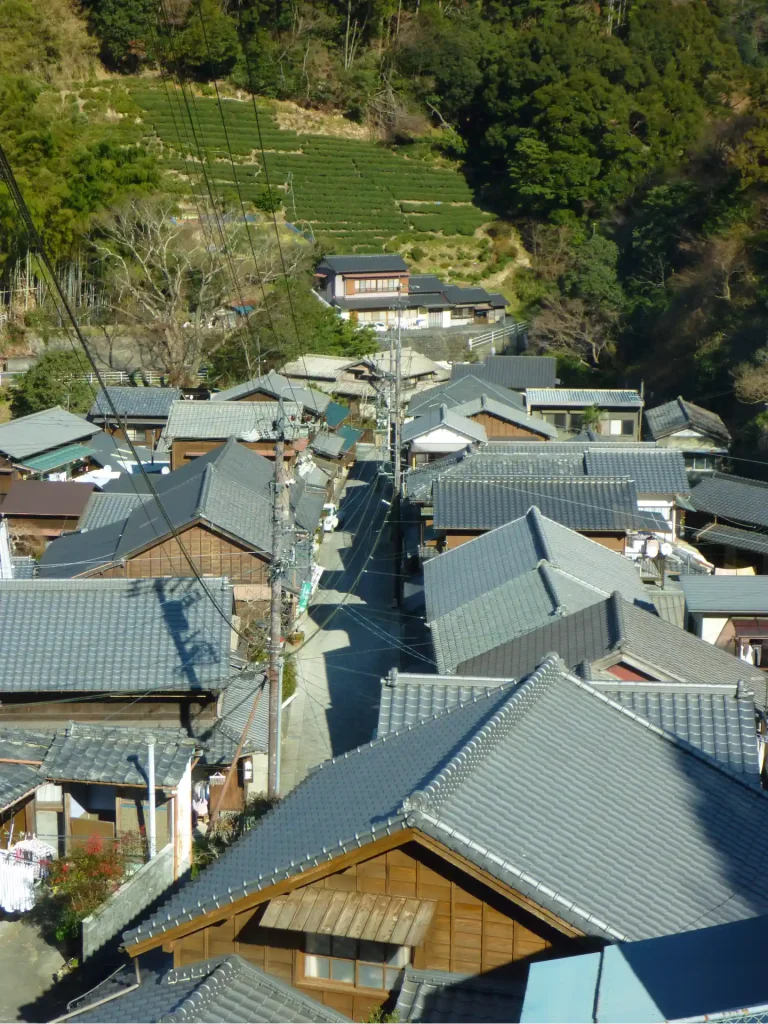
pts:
[289, 678]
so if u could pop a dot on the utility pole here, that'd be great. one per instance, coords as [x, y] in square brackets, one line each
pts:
[280, 513]
[398, 371]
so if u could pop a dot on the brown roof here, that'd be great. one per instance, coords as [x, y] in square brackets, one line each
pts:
[46, 498]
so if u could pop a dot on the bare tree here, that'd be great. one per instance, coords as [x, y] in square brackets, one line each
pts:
[751, 380]
[569, 326]
[168, 278]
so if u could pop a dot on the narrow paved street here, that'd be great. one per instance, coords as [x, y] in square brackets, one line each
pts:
[353, 634]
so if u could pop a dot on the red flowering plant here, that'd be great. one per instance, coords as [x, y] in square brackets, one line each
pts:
[80, 882]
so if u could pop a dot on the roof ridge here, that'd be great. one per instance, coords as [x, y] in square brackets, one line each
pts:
[544, 570]
[616, 625]
[540, 539]
[484, 740]
[204, 493]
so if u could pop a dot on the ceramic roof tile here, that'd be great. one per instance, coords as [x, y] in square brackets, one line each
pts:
[152, 403]
[731, 536]
[116, 755]
[732, 497]
[438, 416]
[276, 385]
[514, 372]
[363, 264]
[729, 595]
[495, 557]
[220, 741]
[105, 507]
[580, 503]
[246, 421]
[666, 419]
[603, 398]
[113, 635]
[318, 366]
[43, 431]
[431, 997]
[655, 470]
[509, 414]
[464, 389]
[669, 842]
[221, 989]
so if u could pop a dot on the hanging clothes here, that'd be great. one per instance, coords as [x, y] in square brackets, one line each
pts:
[21, 868]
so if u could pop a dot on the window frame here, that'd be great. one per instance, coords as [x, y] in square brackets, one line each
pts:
[402, 953]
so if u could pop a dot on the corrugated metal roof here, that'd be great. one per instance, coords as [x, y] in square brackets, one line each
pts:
[732, 497]
[517, 372]
[668, 840]
[602, 398]
[335, 414]
[42, 431]
[666, 419]
[328, 444]
[113, 635]
[56, 459]
[729, 595]
[134, 402]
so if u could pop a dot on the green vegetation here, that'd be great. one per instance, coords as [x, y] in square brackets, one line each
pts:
[52, 381]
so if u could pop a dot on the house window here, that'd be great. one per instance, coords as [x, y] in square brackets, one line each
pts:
[627, 427]
[352, 962]
[376, 284]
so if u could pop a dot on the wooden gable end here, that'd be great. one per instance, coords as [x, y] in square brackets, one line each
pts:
[475, 923]
[495, 427]
[214, 553]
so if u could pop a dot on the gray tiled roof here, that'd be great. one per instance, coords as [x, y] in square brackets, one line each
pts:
[328, 367]
[246, 421]
[408, 700]
[152, 403]
[24, 567]
[209, 992]
[43, 431]
[327, 443]
[220, 742]
[16, 780]
[432, 997]
[603, 398]
[732, 497]
[729, 595]
[105, 507]
[363, 264]
[666, 419]
[602, 633]
[655, 470]
[581, 503]
[228, 487]
[517, 372]
[731, 536]
[275, 384]
[669, 604]
[498, 556]
[440, 415]
[117, 755]
[465, 389]
[113, 635]
[668, 841]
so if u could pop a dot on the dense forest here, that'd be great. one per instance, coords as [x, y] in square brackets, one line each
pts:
[625, 143]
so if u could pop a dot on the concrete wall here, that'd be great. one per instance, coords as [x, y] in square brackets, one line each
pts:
[141, 889]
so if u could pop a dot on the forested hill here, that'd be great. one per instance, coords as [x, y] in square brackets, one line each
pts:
[627, 142]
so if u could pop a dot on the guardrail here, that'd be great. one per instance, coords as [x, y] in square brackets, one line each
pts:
[500, 334]
[110, 377]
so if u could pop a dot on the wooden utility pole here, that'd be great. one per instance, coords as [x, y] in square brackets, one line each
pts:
[280, 513]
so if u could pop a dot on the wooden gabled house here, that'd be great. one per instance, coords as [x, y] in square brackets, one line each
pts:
[400, 857]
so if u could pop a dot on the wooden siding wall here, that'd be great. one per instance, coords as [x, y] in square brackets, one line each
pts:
[214, 555]
[183, 452]
[614, 541]
[42, 526]
[163, 713]
[495, 428]
[473, 930]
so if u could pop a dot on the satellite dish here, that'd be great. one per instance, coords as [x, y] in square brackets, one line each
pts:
[652, 548]
[165, 471]
[666, 549]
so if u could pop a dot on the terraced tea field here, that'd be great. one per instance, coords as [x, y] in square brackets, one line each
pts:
[353, 195]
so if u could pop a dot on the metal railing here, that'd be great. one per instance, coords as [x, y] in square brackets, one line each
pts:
[500, 334]
[110, 377]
